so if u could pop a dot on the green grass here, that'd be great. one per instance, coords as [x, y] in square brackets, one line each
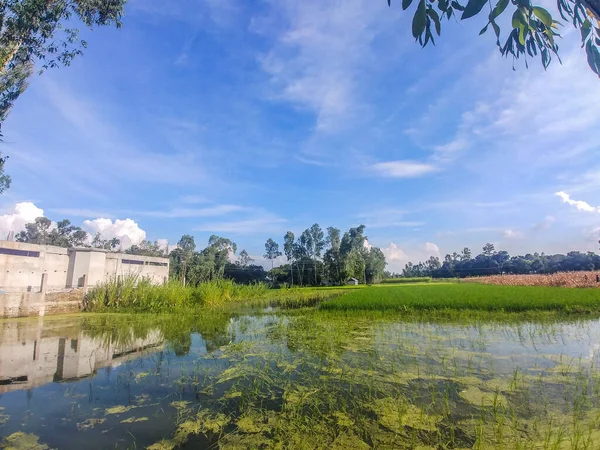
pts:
[467, 297]
[402, 280]
[130, 294]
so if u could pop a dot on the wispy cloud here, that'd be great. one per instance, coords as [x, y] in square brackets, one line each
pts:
[579, 204]
[403, 169]
[269, 223]
[81, 212]
[211, 211]
[318, 58]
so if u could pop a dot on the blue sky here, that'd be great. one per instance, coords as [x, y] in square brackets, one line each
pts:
[248, 119]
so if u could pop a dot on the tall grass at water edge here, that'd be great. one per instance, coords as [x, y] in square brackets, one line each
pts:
[468, 297]
[403, 280]
[140, 294]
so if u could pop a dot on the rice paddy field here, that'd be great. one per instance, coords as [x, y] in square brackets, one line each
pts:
[357, 371]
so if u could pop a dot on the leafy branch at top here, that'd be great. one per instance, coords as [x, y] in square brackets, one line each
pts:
[533, 32]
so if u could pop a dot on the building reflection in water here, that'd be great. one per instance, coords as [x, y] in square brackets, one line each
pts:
[34, 353]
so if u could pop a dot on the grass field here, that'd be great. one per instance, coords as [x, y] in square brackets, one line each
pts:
[467, 297]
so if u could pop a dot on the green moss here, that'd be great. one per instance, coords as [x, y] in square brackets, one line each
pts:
[22, 441]
[90, 423]
[476, 396]
[119, 409]
[134, 420]
[395, 414]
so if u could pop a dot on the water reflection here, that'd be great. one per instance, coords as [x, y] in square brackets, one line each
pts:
[306, 379]
[34, 353]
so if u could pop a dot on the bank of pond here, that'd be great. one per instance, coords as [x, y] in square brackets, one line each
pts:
[329, 368]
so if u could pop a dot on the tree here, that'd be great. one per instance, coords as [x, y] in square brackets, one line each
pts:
[489, 250]
[146, 248]
[533, 29]
[4, 179]
[288, 249]
[182, 258]
[466, 254]
[271, 251]
[62, 235]
[244, 259]
[375, 265]
[36, 232]
[39, 30]
[106, 244]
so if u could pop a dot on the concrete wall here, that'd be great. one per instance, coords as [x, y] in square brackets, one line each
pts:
[22, 267]
[25, 304]
[24, 273]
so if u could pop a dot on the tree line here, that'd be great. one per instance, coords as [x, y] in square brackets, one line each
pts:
[316, 258]
[492, 262]
[43, 232]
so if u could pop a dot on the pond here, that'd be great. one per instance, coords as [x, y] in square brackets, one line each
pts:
[299, 379]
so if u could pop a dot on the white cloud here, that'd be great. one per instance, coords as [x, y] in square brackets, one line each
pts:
[403, 169]
[164, 244]
[15, 220]
[511, 233]
[579, 204]
[127, 230]
[394, 254]
[367, 245]
[432, 249]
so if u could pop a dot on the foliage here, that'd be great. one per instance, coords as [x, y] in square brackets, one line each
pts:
[345, 257]
[533, 30]
[193, 267]
[42, 232]
[147, 248]
[4, 179]
[401, 280]
[467, 297]
[271, 250]
[248, 274]
[105, 244]
[244, 259]
[490, 262]
[132, 293]
[38, 30]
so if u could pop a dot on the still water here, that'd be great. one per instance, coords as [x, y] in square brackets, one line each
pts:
[298, 380]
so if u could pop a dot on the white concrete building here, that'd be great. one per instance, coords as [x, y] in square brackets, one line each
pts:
[43, 279]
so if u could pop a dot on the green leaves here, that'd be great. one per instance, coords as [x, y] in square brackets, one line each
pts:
[543, 15]
[436, 20]
[473, 8]
[519, 21]
[586, 28]
[419, 20]
[593, 57]
[406, 4]
[498, 9]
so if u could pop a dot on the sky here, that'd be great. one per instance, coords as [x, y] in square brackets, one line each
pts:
[248, 119]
